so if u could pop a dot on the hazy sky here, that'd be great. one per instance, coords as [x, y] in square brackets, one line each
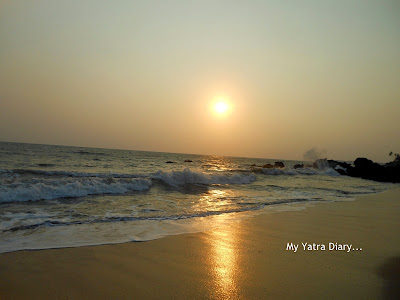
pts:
[143, 75]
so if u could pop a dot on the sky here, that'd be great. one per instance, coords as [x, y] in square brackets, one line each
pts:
[143, 75]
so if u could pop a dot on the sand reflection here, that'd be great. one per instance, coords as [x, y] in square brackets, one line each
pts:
[224, 259]
[223, 241]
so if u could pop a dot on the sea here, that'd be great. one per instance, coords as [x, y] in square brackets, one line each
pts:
[61, 196]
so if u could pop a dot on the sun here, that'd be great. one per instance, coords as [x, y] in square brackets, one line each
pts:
[221, 107]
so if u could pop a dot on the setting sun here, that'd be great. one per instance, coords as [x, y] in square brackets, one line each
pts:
[221, 107]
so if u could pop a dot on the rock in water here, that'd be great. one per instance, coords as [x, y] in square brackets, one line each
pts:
[267, 166]
[367, 169]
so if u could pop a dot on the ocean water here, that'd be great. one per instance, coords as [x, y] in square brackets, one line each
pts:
[58, 196]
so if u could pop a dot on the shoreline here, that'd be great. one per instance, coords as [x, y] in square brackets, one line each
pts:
[244, 259]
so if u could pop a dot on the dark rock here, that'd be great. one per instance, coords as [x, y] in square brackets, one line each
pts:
[298, 166]
[267, 166]
[367, 169]
[334, 164]
[363, 162]
[170, 162]
[330, 163]
[395, 163]
[279, 164]
[341, 171]
[188, 160]
[363, 168]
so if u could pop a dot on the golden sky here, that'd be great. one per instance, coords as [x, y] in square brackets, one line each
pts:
[144, 75]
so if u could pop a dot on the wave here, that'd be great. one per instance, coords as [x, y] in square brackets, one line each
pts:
[45, 165]
[83, 152]
[67, 173]
[179, 178]
[30, 185]
[48, 223]
[346, 192]
[305, 171]
[250, 207]
[49, 185]
[49, 189]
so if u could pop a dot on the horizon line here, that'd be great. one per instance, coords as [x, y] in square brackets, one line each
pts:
[154, 151]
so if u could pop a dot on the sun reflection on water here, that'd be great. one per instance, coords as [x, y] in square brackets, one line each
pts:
[218, 163]
[213, 200]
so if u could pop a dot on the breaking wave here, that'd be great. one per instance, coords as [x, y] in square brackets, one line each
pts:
[48, 189]
[49, 185]
[179, 178]
[30, 185]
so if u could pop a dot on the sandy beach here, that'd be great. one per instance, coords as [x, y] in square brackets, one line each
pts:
[247, 259]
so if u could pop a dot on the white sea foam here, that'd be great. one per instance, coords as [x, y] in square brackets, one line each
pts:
[112, 233]
[330, 172]
[279, 171]
[47, 189]
[178, 178]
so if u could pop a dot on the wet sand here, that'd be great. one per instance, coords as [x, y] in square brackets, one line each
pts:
[241, 260]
